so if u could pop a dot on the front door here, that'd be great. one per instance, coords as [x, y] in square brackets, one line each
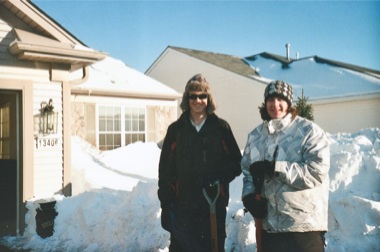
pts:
[9, 160]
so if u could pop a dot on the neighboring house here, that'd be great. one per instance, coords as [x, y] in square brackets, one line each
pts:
[345, 98]
[37, 61]
[118, 105]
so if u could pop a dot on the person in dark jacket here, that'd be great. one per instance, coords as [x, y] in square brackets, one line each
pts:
[199, 152]
[288, 158]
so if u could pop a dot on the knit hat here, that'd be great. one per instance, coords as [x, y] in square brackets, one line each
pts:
[281, 89]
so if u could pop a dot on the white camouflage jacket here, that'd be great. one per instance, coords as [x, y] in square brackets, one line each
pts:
[298, 193]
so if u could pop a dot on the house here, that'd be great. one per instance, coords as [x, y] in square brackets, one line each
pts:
[345, 98]
[118, 105]
[37, 61]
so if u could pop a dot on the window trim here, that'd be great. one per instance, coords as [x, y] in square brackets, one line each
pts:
[122, 130]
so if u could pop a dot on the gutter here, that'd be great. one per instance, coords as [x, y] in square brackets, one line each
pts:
[118, 94]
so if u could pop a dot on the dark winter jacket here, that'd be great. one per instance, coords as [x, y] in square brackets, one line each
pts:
[188, 156]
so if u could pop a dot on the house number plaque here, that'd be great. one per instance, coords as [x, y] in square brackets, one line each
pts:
[46, 142]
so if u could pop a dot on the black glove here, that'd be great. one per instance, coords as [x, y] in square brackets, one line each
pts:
[259, 169]
[258, 208]
[230, 171]
[167, 216]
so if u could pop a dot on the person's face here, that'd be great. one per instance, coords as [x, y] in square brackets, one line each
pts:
[197, 101]
[277, 107]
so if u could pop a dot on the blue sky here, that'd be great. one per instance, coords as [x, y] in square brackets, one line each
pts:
[137, 32]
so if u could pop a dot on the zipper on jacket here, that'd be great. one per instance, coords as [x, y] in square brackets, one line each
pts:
[204, 149]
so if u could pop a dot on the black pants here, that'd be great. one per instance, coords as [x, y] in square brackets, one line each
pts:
[191, 229]
[293, 242]
[176, 247]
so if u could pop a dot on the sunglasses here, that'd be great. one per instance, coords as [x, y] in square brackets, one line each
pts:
[201, 96]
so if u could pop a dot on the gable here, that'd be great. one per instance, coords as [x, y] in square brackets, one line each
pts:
[31, 35]
[25, 15]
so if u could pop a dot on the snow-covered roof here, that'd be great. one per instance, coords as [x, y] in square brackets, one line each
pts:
[317, 77]
[321, 79]
[113, 76]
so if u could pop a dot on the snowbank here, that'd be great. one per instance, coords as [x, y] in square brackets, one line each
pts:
[115, 205]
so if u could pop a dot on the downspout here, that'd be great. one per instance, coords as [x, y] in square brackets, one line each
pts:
[85, 71]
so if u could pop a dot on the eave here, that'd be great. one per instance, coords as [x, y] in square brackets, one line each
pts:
[32, 47]
[35, 52]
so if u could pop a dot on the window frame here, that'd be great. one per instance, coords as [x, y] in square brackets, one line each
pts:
[122, 132]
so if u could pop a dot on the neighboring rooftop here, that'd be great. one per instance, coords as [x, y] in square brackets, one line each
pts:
[318, 77]
[228, 62]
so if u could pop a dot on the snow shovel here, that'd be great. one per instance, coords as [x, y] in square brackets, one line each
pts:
[212, 203]
[258, 222]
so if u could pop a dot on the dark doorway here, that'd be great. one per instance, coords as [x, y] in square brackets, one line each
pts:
[9, 160]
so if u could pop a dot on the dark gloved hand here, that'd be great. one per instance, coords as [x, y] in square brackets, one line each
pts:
[167, 216]
[259, 169]
[258, 208]
[230, 171]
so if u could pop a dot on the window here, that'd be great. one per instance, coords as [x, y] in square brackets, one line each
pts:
[119, 126]
[134, 125]
[5, 131]
[109, 128]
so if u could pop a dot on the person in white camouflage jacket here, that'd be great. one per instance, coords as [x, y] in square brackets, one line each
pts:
[289, 158]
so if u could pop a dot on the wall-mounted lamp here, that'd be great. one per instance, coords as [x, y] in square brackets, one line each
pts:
[49, 118]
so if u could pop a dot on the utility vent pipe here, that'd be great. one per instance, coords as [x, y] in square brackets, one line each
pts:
[297, 55]
[287, 46]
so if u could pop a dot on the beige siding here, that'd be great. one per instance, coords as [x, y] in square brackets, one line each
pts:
[348, 116]
[6, 37]
[237, 97]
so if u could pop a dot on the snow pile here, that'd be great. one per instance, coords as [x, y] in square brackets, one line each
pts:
[115, 205]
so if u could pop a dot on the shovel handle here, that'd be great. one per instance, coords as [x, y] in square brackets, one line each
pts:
[211, 202]
[258, 226]
[213, 224]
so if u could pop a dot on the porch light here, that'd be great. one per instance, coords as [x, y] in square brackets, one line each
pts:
[49, 118]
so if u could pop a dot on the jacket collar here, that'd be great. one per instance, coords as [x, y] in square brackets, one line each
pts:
[276, 125]
[211, 119]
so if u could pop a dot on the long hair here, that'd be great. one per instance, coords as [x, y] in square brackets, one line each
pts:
[265, 116]
[198, 83]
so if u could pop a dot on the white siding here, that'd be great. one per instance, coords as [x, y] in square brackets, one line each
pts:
[48, 162]
[348, 116]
